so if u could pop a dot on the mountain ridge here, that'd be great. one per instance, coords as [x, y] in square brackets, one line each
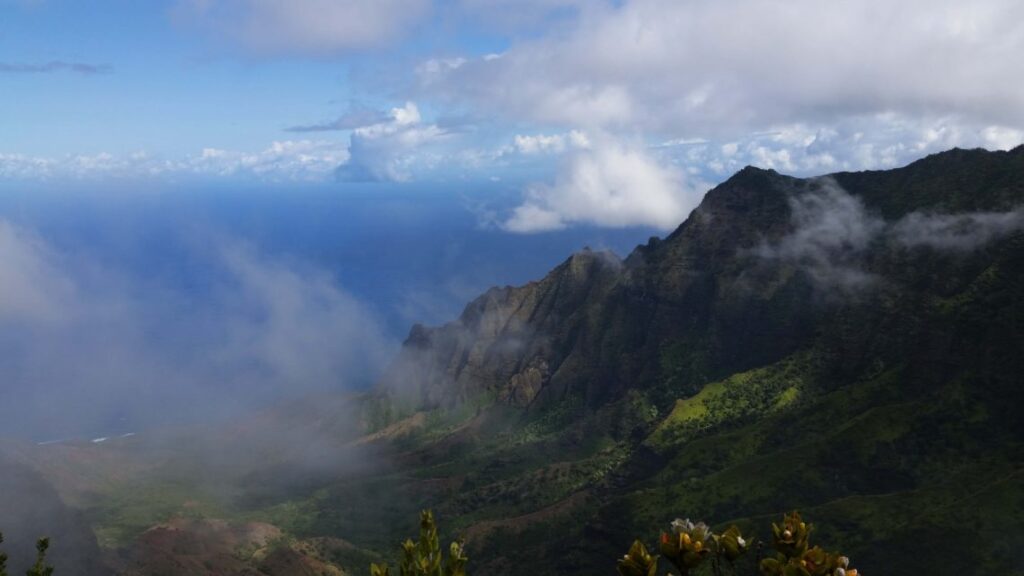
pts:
[859, 295]
[745, 210]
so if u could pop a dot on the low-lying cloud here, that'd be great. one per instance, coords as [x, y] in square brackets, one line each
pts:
[86, 349]
[833, 232]
[957, 232]
[832, 229]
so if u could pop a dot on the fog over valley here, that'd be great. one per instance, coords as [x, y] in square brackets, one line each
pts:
[124, 312]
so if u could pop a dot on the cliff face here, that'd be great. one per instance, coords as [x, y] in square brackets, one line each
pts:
[511, 344]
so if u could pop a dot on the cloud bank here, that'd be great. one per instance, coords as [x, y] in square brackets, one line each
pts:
[87, 349]
[281, 161]
[718, 68]
[833, 232]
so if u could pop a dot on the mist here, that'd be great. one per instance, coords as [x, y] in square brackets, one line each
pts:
[130, 310]
[832, 233]
[99, 351]
[956, 232]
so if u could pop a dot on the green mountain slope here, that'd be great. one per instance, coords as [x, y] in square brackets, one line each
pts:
[851, 345]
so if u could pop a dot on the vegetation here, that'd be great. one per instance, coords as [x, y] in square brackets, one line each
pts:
[40, 568]
[424, 558]
[689, 547]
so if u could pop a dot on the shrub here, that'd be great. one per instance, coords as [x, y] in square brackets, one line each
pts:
[689, 547]
[424, 558]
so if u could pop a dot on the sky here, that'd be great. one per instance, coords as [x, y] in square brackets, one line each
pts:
[610, 113]
[206, 205]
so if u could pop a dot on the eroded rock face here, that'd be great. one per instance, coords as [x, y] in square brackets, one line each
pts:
[524, 386]
[510, 343]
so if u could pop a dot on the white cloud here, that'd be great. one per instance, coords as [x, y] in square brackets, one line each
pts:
[387, 151]
[314, 27]
[721, 69]
[288, 160]
[831, 231]
[957, 232]
[609, 184]
[553, 144]
[858, 143]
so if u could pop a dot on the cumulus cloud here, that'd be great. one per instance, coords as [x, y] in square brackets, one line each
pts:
[720, 68]
[608, 184]
[86, 348]
[306, 27]
[956, 232]
[54, 66]
[831, 231]
[386, 151]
